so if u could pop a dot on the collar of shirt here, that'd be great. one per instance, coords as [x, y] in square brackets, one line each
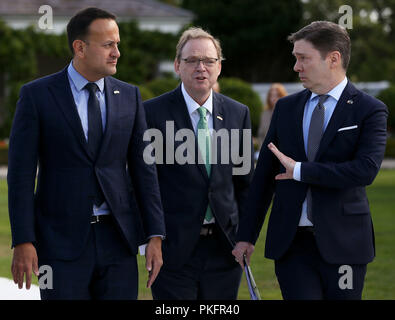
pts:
[336, 92]
[330, 105]
[81, 97]
[192, 105]
[79, 81]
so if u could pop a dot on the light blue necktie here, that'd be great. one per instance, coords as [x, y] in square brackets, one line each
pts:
[204, 144]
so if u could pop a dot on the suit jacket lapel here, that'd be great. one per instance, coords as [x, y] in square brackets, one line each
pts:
[299, 110]
[219, 118]
[339, 114]
[180, 115]
[62, 94]
[179, 111]
[113, 96]
[218, 112]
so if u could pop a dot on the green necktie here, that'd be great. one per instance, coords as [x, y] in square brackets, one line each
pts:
[204, 144]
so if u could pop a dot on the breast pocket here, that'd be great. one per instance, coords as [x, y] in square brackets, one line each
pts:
[348, 132]
[343, 145]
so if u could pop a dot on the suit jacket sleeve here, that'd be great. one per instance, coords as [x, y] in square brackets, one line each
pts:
[22, 168]
[261, 189]
[144, 177]
[363, 168]
[242, 182]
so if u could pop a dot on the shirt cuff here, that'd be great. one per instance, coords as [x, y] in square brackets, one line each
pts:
[143, 246]
[296, 173]
[157, 235]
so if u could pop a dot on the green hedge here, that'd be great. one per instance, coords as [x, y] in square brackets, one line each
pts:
[242, 91]
[28, 54]
[390, 149]
[146, 93]
[3, 155]
[388, 97]
[159, 86]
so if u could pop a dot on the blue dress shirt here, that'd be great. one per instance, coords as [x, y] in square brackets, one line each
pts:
[81, 96]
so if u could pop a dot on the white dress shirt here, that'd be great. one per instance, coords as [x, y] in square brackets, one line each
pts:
[193, 107]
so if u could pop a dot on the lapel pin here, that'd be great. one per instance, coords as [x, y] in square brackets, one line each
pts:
[220, 118]
[350, 101]
[116, 92]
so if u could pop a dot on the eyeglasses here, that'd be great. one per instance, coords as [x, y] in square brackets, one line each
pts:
[194, 61]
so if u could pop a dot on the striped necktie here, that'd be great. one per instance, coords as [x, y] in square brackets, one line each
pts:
[313, 143]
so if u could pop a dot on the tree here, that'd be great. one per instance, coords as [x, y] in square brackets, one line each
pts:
[253, 34]
[17, 64]
[142, 51]
[27, 54]
[242, 91]
[388, 97]
[372, 35]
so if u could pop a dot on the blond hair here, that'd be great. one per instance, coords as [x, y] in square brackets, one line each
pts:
[196, 33]
[282, 92]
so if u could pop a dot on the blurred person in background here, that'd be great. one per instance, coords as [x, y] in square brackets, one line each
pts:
[275, 92]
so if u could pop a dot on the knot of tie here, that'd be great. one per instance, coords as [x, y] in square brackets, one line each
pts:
[91, 87]
[202, 113]
[322, 99]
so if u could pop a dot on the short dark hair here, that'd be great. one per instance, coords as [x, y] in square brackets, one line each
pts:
[326, 36]
[78, 26]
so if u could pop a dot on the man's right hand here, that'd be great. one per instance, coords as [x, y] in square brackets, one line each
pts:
[24, 261]
[243, 248]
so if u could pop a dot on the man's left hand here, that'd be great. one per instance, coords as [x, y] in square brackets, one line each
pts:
[287, 162]
[153, 256]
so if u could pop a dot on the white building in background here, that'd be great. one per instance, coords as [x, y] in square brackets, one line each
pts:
[149, 14]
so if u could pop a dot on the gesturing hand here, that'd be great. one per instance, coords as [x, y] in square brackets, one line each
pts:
[287, 162]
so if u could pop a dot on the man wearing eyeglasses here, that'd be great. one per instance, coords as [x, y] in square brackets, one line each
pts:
[201, 200]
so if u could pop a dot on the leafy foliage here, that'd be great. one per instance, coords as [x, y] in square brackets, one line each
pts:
[253, 34]
[159, 86]
[141, 52]
[388, 97]
[27, 54]
[242, 91]
[372, 35]
[17, 63]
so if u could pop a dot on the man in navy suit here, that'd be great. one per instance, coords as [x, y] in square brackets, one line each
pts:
[324, 146]
[87, 215]
[202, 197]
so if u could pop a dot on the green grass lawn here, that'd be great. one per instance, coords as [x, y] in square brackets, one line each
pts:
[380, 278]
